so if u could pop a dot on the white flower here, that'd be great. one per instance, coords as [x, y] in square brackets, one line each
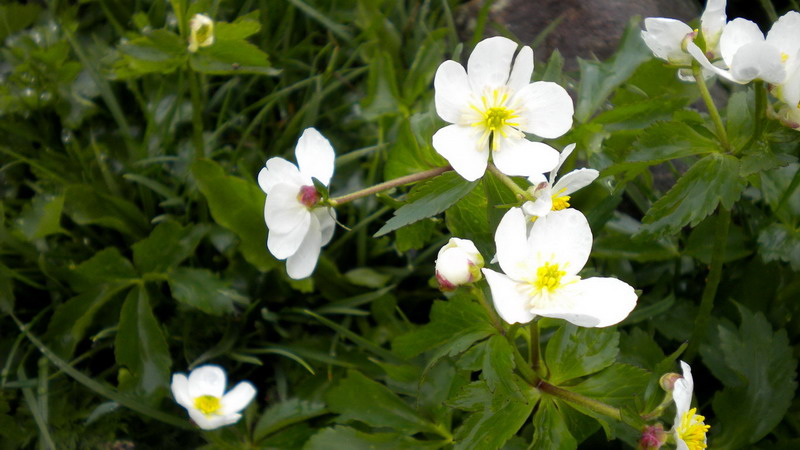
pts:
[750, 56]
[203, 395]
[552, 195]
[492, 105]
[665, 37]
[201, 32]
[458, 262]
[689, 427]
[298, 227]
[541, 273]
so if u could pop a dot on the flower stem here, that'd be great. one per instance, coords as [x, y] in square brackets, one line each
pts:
[761, 105]
[520, 193]
[524, 368]
[408, 179]
[580, 400]
[722, 135]
[534, 345]
[197, 112]
[712, 282]
[478, 293]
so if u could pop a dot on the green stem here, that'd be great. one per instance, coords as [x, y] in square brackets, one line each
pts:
[520, 193]
[478, 292]
[524, 368]
[408, 179]
[722, 135]
[655, 413]
[580, 400]
[712, 282]
[769, 9]
[761, 104]
[197, 112]
[534, 345]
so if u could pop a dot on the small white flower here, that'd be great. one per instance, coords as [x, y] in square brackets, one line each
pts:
[749, 56]
[492, 105]
[541, 273]
[689, 427]
[298, 227]
[665, 37]
[203, 395]
[458, 262]
[201, 32]
[552, 195]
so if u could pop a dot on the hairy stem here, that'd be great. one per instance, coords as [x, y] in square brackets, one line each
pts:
[520, 193]
[580, 400]
[534, 346]
[408, 179]
[722, 135]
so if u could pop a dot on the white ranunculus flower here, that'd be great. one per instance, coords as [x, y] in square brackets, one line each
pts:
[458, 262]
[689, 427]
[552, 195]
[541, 273]
[491, 106]
[298, 226]
[201, 32]
[750, 56]
[203, 395]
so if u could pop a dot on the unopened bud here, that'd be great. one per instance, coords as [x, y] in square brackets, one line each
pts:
[309, 196]
[668, 380]
[458, 263]
[201, 32]
[653, 437]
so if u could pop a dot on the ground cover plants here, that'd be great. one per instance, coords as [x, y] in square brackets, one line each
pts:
[337, 224]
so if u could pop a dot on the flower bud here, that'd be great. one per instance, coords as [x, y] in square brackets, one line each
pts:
[201, 32]
[458, 262]
[668, 380]
[653, 437]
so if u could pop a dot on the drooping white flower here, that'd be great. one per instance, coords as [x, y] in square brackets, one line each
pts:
[491, 106]
[203, 395]
[458, 262]
[541, 273]
[665, 37]
[689, 427]
[298, 226]
[750, 56]
[201, 32]
[552, 195]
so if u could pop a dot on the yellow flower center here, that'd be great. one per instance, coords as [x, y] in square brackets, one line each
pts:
[784, 57]
[495, 118]
[692, 431]
[207, 404]
[548, 277]
[560, 201]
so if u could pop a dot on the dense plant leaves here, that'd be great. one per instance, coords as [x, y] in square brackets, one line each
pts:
[86, 205]
[429, 199]
[41, 217]
[741, 118]
[230, 58]
[286, 413]
[140, 347]
[712, 180]
[238, 206]
[498, 367]
[550, 428]
[15, 17]
[346, 438]
[700, 244]
[167, 246]
[357, 398]
[107, 265]
[414, 236]
[160, 51]
[767, 381]
[780, 242]
[412, 151]
[201, 289]
[468, 219]
[499, 198]
[575, 352]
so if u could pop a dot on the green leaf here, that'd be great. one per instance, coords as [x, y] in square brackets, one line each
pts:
[741, 117]
[86, 205]
[238, 206]
[412, 151]
[472, 397]
[15, 17]
[106, 266]
[383, 94]
[429, 199]
[414, 236]
[231, 58]
[617, 385]
[780, 242]
[575, 352]
[286, 413]
[160, 51]
[241, 28]
[498, 367]
[550, 428]
[712, 180]
[497, 194]
[201, 289]
[346, 438]
[41, 217]
[469, 219]
[427, 58]
[700, 244]
[167, 246]
[141, 348]
[767, 381]
[6, 291]
[357, 398]
[454, 326]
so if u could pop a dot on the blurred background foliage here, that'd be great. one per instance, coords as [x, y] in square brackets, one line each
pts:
[133, 242]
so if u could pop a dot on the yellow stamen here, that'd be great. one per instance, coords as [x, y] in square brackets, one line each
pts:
[560, 202]
[692, 431]
[548, 277]
[207, 404]
[494, 116]
[784, 57]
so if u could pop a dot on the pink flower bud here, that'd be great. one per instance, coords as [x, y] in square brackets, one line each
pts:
[458, 262]
[653, 437]
[668, 380]
[309, 196]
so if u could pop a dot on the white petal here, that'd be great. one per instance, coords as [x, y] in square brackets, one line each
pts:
[237, 398]
[593, 302]
[490, 63]
[511, 241]
[283, 212]
[327, 222]
[519, 156]
[789, 91]
[512, 306]
[315, 156]
[278, 171]
[459, 146]
[785, 33]
[452, 91]
[575, 180]
[563, 237]
[546, 109]
[561, 158]
[522, 70]
[180, 390]
[212, 422]
[736, 34]
[758, 60]
[682, 393]
[536, 179]
[301, 264]
[698, 55]
[680, 444]
[207, 380]
[540, 207]
[664, 36]
[712, 22]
